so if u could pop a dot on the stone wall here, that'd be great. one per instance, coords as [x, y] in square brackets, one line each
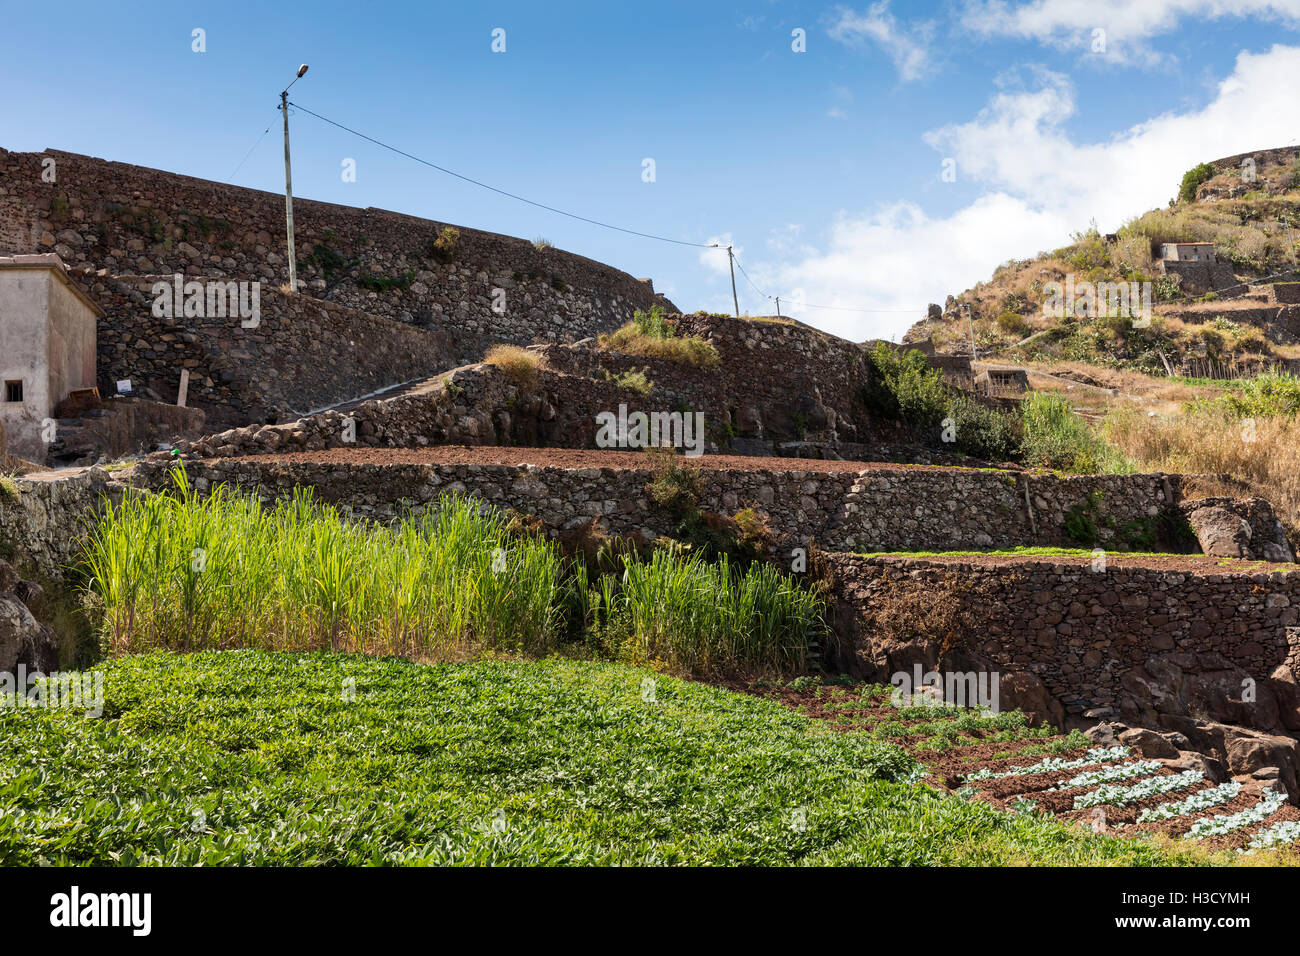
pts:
[122, 426]
[780, 381]
[44, 521]
[1084, 633]
[1201, 277]
[303, 354]
[1279, 323]
[877, 508]
[128, 220]
[798, 385]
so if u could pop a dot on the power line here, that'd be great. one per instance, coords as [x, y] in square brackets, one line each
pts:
[809, 305]
[249, 153]
[502, 192]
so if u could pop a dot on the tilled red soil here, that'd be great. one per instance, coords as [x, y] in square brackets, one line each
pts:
[949, 768]
[567, 458]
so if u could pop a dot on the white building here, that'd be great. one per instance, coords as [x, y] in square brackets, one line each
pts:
[1187, 252]
[47, 347]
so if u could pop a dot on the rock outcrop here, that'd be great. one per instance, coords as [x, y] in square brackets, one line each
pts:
[1238, 528]
[23, 639]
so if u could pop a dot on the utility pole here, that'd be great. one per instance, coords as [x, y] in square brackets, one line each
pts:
[970, 324]
[731, 260]
[288, 182]
[778, 307]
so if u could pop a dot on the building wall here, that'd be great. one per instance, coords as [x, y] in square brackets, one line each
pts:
[1188, 252]
[24, 346]
[71, 342]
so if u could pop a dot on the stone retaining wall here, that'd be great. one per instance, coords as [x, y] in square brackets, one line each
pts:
[869, 510]
[1080, 631]
[121, 220]
[304, 353]
[44, 523]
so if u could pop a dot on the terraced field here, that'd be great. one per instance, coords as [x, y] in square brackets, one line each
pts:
[1002, 761]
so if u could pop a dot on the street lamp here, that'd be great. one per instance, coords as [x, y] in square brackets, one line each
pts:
[288, 181]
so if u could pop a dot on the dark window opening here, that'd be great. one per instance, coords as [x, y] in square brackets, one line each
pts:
[13, 391]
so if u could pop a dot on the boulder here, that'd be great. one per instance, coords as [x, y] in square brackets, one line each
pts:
[1022, 690]
[23, 639]
[1221, 533]
[1104, 734]
[1238, 528]
[1148, 743]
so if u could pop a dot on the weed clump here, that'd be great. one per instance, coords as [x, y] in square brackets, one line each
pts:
[521, 366]
[654, 335]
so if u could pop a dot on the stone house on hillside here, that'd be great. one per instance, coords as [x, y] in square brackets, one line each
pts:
[1187, 252]
[47, 346]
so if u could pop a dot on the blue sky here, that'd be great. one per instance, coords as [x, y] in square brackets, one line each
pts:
[822, 167]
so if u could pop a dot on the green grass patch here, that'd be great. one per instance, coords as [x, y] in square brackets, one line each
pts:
[250, 758]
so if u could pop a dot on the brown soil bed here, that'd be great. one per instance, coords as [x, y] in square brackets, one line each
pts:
[569, 458]
[1196, 563]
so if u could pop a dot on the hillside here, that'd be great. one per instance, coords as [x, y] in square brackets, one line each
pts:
[1235, 318]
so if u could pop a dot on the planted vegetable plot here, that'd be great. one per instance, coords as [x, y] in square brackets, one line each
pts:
[1002, 761]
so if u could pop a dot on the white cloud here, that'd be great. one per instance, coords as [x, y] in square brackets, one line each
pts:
[1126, 24]
[907, 47]
[1041, 186]
[715, 260]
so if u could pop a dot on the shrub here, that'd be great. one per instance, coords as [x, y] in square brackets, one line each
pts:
[1272, 394]
[442, 248]
[634, 379]
[541, 242]
[1014, 323]
[654, 335]
[904, 386]
[1192, 181]
[1054, 435]
[375, 283]
[674, 485]
[521, 366]
[984, 432]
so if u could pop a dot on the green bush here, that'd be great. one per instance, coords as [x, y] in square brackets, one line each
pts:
[1193, 179]
[984, 432]
[1013, 323]
[442, 248]
[1269, 395]
[1054, 435]
[904, 386]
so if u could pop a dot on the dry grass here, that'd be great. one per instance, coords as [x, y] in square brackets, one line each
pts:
[683, 349]
[519, 365]
[1265, 459]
